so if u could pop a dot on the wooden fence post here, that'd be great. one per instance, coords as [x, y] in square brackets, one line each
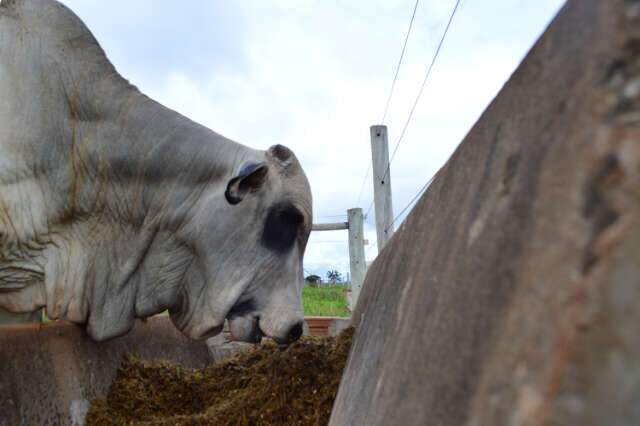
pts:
[381, 184]
[357, 262]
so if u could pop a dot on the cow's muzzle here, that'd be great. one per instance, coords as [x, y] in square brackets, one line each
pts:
[245, 329]
[292, 334]
[284, 326]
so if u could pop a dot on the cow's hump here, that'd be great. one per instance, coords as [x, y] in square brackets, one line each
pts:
[67, 38]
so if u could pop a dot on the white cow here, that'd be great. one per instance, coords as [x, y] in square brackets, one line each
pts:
[113, 207]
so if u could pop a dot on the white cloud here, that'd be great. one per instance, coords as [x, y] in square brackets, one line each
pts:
[315, 75]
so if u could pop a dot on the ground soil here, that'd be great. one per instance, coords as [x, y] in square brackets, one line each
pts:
[268, 385]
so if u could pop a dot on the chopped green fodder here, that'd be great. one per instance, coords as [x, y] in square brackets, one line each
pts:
[267, 385]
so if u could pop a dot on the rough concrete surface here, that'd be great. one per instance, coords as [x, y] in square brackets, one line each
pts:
[7, 317]
[49, 372]
[511, 294]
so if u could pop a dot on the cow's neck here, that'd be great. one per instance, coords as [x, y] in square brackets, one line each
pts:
[151, 156]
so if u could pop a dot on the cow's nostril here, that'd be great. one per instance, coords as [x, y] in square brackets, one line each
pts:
[295, 332]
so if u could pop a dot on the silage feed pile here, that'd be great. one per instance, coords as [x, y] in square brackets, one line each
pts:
[267, 385]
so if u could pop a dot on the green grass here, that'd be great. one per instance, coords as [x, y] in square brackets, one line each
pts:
[326, 300]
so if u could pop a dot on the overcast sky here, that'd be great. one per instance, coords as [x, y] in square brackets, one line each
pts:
[314, 75]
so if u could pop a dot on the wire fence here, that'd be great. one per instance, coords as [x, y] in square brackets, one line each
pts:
[411, 114]
[405, 126]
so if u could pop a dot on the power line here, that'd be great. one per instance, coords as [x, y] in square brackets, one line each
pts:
[395, 77]
[410, 203]
[420, 192]
[369, 208]
[393, 85]
[413, 107]
[424, 82]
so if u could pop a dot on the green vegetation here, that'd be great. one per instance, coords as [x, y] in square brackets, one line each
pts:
[326, 300]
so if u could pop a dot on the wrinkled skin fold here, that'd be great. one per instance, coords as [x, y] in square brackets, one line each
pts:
[113, 207]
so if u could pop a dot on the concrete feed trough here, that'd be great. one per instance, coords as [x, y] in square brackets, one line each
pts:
[48, 373]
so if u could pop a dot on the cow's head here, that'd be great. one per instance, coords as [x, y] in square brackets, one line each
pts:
[249, 235]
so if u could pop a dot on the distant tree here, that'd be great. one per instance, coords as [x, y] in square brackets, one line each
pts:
[334, 276]
[313, 280]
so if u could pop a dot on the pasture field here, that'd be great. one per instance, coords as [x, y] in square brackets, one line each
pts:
[326, 300]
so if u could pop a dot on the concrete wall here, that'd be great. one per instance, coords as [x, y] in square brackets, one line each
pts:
[7, 317]
[511, 294]
[48, 373]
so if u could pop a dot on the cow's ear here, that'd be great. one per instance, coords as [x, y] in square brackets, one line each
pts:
[249, 179]
[281, 154]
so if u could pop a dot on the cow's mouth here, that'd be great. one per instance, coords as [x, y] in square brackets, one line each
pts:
[244, 323]
[245, 329]
[248, 325]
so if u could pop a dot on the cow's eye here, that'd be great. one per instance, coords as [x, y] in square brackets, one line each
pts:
[281, 227]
